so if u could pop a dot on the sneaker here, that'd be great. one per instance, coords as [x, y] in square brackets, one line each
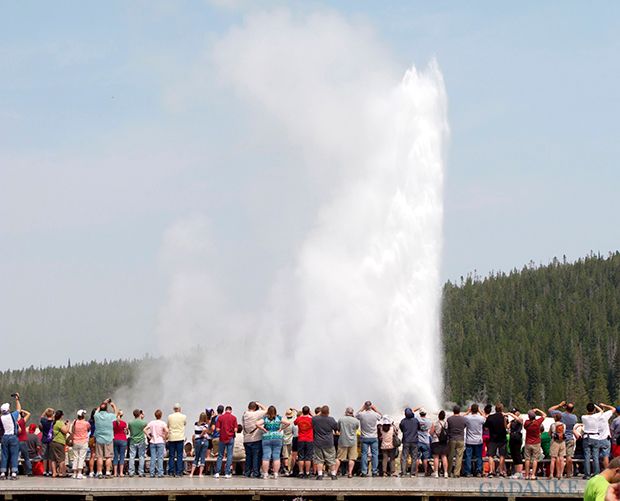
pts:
[228, 475]
[319, 477]
[74, 475]
[91, 474]
[99, 475]
[13, 476]
[79, 476]
[436, 475]
[216, 475]
[334, 477]
[445, 475]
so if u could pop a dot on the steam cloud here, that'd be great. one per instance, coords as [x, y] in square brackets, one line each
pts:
[356, 316]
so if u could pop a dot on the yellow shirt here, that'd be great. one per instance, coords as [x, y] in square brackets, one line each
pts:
[176, 427]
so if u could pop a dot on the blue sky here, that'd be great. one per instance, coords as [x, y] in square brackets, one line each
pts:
[109, 120]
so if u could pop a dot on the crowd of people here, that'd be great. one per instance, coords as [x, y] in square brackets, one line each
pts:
[310, 443]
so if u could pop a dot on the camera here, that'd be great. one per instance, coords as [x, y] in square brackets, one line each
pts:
[14, 395]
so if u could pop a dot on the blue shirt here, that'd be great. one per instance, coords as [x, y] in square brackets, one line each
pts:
[273, 428]
[104, 431]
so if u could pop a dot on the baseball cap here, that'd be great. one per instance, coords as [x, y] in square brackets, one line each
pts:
[81, 413]
[618, 409]
[5, 407]
[422, 411]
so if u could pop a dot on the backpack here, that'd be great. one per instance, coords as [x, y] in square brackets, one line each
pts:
[396, 440]
[558, 431]
[516, 430]
[442, 436]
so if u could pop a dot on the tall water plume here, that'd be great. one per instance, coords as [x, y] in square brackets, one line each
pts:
[355, 315]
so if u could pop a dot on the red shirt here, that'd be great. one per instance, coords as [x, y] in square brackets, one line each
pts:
[119, 428]
[532, 430]
[227, 426]
[304, 424]
[22, 434]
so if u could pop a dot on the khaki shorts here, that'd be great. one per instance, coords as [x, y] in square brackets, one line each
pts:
[347, 453]
[326, 455]
[57, 452]
[557, 449]
[104, 451]
[532, 452]
[287, 449]
[570, 448]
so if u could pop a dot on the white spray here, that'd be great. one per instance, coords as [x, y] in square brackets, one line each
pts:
[356, 317]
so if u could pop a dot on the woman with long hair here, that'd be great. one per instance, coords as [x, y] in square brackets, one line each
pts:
[272, 425]
[59, 441]
[120, 444]
[439, 444]
[201, 443]
[91, 444]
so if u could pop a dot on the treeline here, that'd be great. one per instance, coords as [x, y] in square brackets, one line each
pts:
[530, 337]
[69, 387]
[535, 336]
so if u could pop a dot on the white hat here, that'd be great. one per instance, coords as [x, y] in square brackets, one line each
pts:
[5, 407]
[81, 413]
[422, 411]
[177, 406]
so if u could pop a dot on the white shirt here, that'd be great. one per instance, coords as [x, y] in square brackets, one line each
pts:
[603, 425]
[591, 424]
[8, 424]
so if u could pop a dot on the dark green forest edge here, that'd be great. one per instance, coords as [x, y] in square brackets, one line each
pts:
[534, 336]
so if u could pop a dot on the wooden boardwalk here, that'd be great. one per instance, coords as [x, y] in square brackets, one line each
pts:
[287, 488]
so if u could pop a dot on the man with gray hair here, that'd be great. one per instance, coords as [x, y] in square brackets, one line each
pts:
[176, 441]
[347, 441]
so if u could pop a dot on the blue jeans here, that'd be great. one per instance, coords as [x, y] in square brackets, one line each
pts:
[373, 445]
[120, 448]
[157, 459]
[424, 450]
[136, 449]
[10, 451]
[476, 451]
[201, 445]
[591, 448]
[229, 455]
[253, 456]
[272, 449]
[23, 451]
[175, 458]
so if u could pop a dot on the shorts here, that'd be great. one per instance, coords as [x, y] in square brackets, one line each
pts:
[557, 449]
[295, 442]
[57, 452]
[215, 446]
[272, 449]
[496, 448]
[210, 444]
[347, 453]
[305, 451]
[46, 451]
[604, 448]
[287, 449]
[439, 449]
[424, 451]
[570, 448]
[532, 452]
[325, 455]
[104, 451]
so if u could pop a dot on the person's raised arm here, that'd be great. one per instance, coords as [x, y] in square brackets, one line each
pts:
[606, 406]
[540, 413]
[556, 407]
[114, 408]
[262, 407]
[18, 404]
[374, 408]
[26, 416]
[514, 416]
